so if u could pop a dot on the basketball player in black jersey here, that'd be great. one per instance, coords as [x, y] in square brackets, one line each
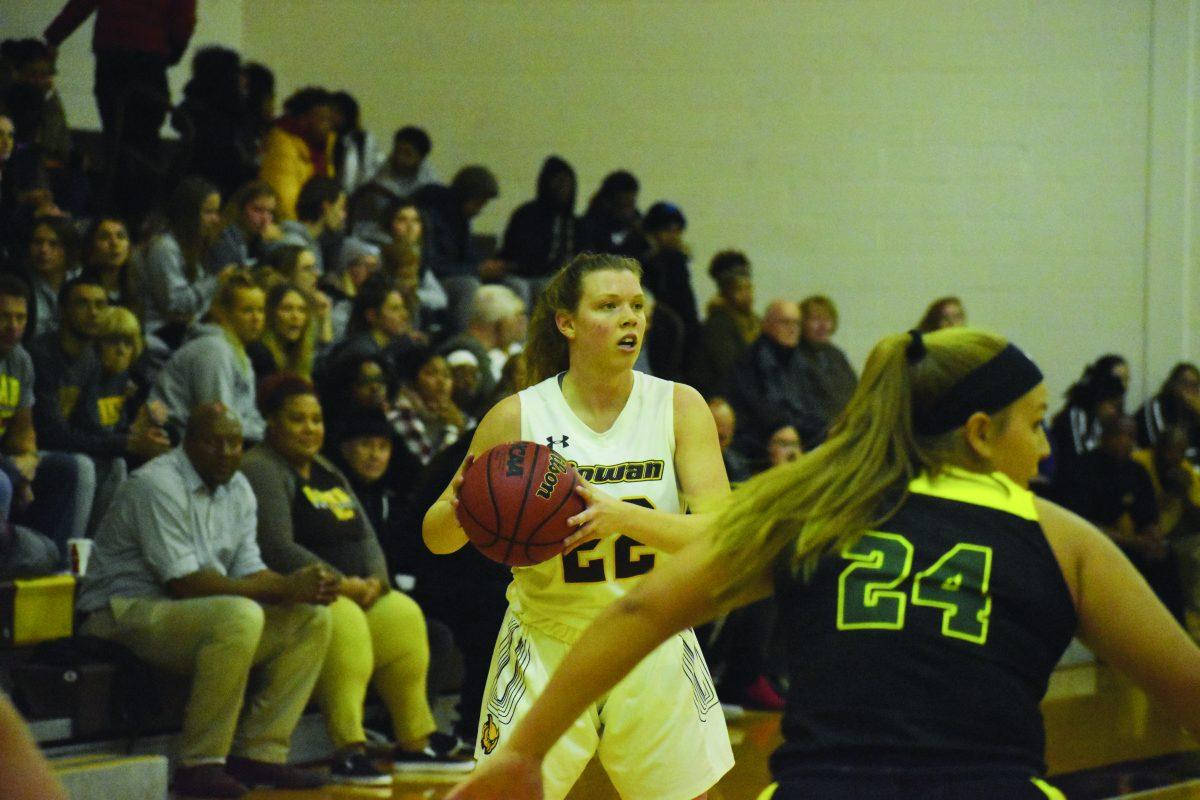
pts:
[929, 595]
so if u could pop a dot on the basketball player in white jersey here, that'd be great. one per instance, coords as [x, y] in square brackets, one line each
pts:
[648, 451]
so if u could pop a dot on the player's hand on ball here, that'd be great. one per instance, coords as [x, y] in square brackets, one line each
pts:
[601, 518]
[502, 776]
[457, 483]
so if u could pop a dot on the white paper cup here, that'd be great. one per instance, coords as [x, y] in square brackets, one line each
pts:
[79, 550]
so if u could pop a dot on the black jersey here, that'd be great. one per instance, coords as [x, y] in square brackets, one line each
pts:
[929, 642]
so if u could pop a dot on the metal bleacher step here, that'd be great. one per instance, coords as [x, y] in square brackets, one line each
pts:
[105, 777]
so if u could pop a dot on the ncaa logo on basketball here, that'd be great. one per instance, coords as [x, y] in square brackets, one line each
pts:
[516, 459]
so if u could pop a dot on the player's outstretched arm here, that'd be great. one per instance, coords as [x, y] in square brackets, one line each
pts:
[702, 481]
[1121, 619]
[672, 597]
[440, 528]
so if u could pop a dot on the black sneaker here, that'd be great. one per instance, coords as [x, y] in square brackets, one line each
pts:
[443, 753]
[358, 769]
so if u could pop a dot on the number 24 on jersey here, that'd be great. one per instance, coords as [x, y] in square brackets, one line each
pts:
[869, 596]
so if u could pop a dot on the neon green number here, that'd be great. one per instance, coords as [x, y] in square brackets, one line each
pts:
[958, 584]
[866, 589]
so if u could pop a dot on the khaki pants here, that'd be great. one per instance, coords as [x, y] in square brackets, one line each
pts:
[217, 640]
[387, 647]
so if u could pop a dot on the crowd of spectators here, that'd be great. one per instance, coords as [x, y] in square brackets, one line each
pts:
[282, 285]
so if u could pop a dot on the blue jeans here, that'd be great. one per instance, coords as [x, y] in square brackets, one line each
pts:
[64, 487]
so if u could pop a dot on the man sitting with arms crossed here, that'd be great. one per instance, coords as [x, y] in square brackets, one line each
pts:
[176, 577]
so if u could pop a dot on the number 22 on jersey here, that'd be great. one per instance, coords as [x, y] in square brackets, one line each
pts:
[870, 594]
[581, 566]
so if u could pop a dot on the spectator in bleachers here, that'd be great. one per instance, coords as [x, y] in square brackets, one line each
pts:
[298, 266]
[361, 383]
[1177, 493]
[363, 452]
[117, 402]
[611, 216]
[213, 366]
[1176, 483]
[27, 188]
[771, 385]
[357, 260]
[379, 324]
[424, 413]
[731, 325]
[67, 370]
[308, 515]
[1096, 397]
[663, 354]
[134, 43]
[540, 236]
[289, 335]
[357, 157]
[737, 466]
[665, 270]
[248, 219]
[320, 216]
[784, 446]
[403, 257]
[51, 492]
[176, 576]
[33, 64]
[944, 312]
[8, 141]
[1113, 491]
[833, 379]
[1115, 365]
[407, 170]
[52, 260]
[107, 254]
[176, 290]
[1176, 403]
[448, 250]
[497, 323]
[258, 84]
[299, 146]
[213, 116]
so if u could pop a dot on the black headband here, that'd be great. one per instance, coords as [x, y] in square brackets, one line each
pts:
[988, 388]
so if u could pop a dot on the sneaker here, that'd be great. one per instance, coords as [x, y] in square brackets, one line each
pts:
[443, 753]
[253, 772]
[357, 768]
[761, 696]
[206, 780]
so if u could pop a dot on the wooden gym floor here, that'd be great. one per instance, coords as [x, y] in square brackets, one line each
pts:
[1103, 741]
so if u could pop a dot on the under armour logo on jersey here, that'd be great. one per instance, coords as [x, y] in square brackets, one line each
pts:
[550, 440]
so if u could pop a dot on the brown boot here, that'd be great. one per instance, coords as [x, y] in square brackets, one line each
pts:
[276, 776]
[206, 780]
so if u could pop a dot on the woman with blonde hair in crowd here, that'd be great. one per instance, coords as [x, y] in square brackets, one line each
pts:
[928, 594]
[289, 335]
[298, 266]
[213, 365]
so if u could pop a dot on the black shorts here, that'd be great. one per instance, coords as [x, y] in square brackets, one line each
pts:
[857, 783]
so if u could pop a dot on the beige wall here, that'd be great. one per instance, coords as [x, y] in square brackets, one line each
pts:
[1038, 159]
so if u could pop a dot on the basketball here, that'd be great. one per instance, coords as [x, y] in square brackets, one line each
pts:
[515, 502]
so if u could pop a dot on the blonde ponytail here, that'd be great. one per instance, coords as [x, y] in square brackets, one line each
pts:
[858, 478]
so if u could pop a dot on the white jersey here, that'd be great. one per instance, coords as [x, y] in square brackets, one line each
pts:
[634, 460]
